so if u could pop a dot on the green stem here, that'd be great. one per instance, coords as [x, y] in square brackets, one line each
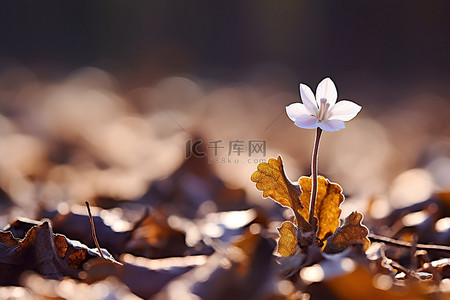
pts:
[314, 174]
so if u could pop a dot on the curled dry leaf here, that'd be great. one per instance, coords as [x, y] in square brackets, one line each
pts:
[51, 255]
[271, 179]
[78, 227]
[327, 211]
[288, 243]
[19, 227]
[351, 231]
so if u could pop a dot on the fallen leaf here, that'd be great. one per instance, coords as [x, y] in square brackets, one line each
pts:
[288, 243]
[78, 227]
[271, 179]
[327, 211]
[143, 276]
[51, 255]
[340, 277]
[364, 285]
[238, 271]
[443, 197]
[8, 239]
[155, 238]
[351, 231]
[19, 227]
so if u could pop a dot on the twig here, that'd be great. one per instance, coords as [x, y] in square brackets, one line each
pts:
[390, 241]
[94, 235]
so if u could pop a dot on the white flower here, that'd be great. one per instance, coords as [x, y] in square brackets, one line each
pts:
[322, 110]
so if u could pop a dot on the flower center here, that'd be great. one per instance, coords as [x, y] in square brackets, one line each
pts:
[323, 109]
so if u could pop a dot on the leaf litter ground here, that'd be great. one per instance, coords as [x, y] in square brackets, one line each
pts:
[166, 239]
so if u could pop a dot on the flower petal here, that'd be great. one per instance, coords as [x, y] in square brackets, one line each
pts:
[306, 121]
[332, 125]
[308, 99]
[326, 89]
[344, 110]
[296, 110]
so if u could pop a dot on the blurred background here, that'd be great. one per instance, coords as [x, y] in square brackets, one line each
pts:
[100, 99]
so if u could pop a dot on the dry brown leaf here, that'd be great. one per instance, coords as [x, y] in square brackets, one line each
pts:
[78, 227]
[288, 243]
[37, 252]
[339, 277]
[239, 272]
[8, 239]
[351, 231]
[271, 179]
[156, 238]
[19, 227]
[443, 197]
[365, 286]
[51, 255]
[327, 211]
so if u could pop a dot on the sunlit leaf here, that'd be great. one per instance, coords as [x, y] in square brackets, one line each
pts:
[327, 211]
[271, 179]
[351, 231]
[287, 244]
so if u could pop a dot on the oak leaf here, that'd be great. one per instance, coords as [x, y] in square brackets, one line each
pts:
[327, 211]
[288, 242]
[271, 179]
[351, 231]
